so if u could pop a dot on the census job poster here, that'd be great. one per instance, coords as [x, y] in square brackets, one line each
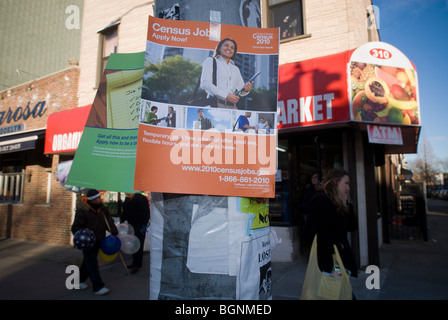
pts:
[208, 110]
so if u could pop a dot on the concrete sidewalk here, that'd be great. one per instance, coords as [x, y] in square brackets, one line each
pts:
[410, 270]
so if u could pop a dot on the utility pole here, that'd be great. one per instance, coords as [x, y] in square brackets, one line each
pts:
[174, 280]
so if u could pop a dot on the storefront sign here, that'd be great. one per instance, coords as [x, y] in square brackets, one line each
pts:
[373, 83]
[21, 114]
[64, 130]
[227, 151]
[384, 134]
[313, 92]
[12, 129]
[17, 146]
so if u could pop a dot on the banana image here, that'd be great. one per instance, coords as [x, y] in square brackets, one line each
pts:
[402, 104]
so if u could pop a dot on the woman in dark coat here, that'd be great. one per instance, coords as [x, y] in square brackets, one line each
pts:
[331, 217]
[92, 214]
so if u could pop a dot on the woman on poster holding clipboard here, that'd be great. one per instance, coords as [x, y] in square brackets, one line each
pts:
[229, 82]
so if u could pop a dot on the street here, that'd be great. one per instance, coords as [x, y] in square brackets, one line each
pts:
[437, 206]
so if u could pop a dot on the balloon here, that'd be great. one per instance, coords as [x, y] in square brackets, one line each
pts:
[129, 244]
[110, 245]
[124, 229]
[84, 239]
[107, 257]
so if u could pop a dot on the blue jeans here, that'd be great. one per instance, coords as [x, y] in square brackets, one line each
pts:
[90, 269]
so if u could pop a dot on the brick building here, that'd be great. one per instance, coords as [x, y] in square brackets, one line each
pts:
[39, 76]
[34, 205]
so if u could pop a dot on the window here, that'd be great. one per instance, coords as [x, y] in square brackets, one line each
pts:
[108, 44]
[288, 15]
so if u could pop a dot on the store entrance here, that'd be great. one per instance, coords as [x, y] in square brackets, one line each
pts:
[300, 156]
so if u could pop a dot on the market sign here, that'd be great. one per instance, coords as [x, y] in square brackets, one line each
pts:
[313, 92]
[384, 134]
[64, 130]
[375, 83]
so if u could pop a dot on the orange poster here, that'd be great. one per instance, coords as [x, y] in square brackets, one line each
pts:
[208, 110]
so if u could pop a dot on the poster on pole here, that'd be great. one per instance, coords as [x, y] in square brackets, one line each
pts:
[208, 111]
[105, 158]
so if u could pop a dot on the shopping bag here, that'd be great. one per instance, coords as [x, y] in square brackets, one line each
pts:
[322, 286]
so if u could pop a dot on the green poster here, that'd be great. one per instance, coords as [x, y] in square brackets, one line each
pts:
[105, 158]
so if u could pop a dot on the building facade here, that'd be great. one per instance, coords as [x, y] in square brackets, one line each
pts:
[34, 205]
[313, 34]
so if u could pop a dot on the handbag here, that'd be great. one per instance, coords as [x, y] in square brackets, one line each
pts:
[204, 101]
[323, 286]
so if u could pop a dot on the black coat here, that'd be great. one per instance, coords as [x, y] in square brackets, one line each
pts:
[136, 212]
[331, 228]
[87, 217]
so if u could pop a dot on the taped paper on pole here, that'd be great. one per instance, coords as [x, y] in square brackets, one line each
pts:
[203, 253]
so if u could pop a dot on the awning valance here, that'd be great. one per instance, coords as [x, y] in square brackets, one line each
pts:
[24, 140]
[64, 130]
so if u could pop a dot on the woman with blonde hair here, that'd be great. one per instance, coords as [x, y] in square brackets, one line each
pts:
[331, 217]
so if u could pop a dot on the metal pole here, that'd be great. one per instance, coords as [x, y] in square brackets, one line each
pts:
[177, 209]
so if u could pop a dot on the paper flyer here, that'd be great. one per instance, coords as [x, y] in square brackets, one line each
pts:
[210, 118]
[105, 158]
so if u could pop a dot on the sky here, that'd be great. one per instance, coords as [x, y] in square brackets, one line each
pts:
[419, 29]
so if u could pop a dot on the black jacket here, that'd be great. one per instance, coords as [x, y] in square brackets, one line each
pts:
[87, 217]
[136, 211]
[331, 228]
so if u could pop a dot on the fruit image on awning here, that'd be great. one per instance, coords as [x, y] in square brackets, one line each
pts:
[383, 86]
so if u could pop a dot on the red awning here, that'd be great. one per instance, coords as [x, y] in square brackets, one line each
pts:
[314, 92]
[64, 130]
[325, 92]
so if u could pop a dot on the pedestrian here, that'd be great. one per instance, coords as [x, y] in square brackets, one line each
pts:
[92, 214]
[136, 213]
[331, 217]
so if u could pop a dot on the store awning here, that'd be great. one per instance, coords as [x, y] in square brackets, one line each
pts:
[24, 140]
[372, 84]
[64, 130]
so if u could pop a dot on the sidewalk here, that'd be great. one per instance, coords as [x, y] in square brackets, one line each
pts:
[410, 270]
